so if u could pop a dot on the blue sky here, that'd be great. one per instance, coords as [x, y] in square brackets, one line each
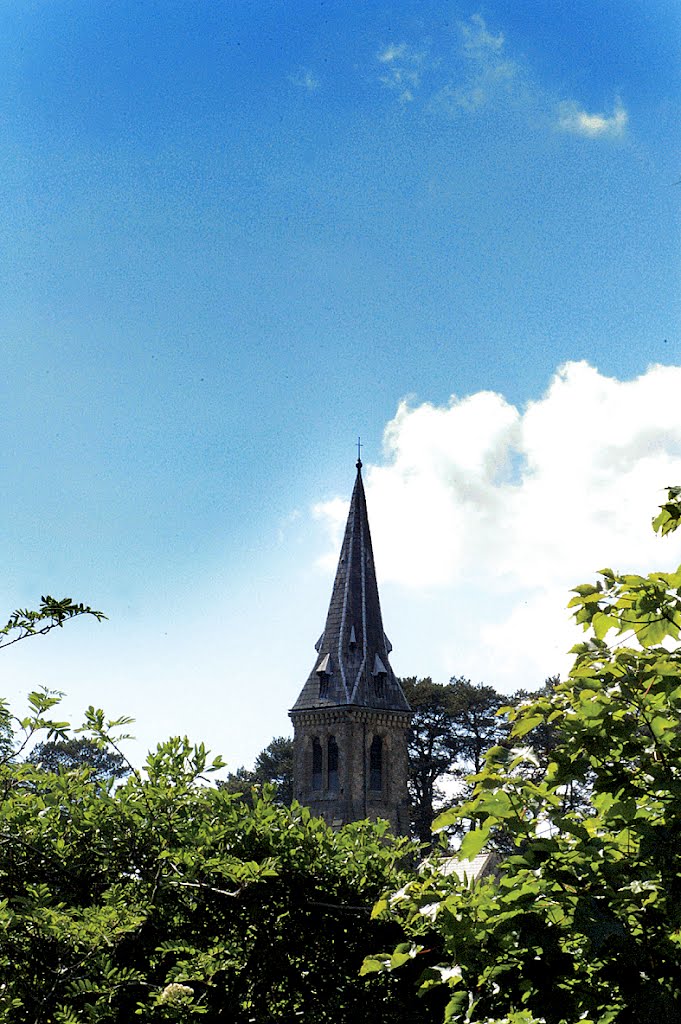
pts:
[236, 236]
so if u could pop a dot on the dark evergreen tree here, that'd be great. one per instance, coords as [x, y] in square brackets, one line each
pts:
[273, 765]
[475, 721]
[453, 727]
[432, 749]
[79, 752]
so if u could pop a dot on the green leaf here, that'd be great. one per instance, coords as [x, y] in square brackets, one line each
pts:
[661, 725]
[652, 632]
[403, 953]
[496, 803]
[524, 725]
[585, 590]
[473, 842]
[602, 623]
[446, 819]
[375, 964]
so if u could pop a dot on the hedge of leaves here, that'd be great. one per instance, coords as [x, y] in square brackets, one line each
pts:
[165, 898]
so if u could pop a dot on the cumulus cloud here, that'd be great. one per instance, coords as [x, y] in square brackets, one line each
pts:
[573, 118]
[485, 515]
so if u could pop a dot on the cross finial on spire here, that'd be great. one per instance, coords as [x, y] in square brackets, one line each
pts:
[359, 453]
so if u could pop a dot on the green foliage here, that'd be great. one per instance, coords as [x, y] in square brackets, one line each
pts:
[273, 766]
[6, 733]
[19, 732]
[582, 921]
[432, 749]
[166, 898]
[477, 726]
[25, 622]
[16, 734]
[669, 517]
[79, 752]
[452, 728]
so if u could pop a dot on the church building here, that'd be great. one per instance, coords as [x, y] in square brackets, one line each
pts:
[351, 719]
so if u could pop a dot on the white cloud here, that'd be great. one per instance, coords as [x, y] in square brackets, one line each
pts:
[484, 516]
[479, 42]
[305, 79]
[392, 53]
[572, 118]
[487, 73]
[482, 72]
[471, 77]
[285, 524]
[333, 513]
[486, 68]
[402, 69]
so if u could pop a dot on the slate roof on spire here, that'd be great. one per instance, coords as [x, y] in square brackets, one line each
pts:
[353, 642]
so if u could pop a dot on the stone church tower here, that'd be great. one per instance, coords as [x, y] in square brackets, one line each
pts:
[350, 721]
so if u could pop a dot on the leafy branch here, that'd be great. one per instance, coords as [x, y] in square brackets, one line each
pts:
[25, 622]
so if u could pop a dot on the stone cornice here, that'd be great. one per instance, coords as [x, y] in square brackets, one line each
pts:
[374, 716]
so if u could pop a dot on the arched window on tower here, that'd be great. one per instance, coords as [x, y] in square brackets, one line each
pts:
[376, 764]
[332, 763]
[316, 764]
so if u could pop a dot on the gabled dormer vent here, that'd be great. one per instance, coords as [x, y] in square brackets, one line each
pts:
[379, 674]
[324, 673]
[353, 638]
[318, 645]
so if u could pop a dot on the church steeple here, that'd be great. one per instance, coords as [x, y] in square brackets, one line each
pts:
[351, 718]
[353, 665]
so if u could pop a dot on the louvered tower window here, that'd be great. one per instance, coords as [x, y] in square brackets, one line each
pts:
[376, 764]
[332, 763]
[316, 764]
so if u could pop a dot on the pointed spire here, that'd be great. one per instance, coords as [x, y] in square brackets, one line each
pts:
[353, 637]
